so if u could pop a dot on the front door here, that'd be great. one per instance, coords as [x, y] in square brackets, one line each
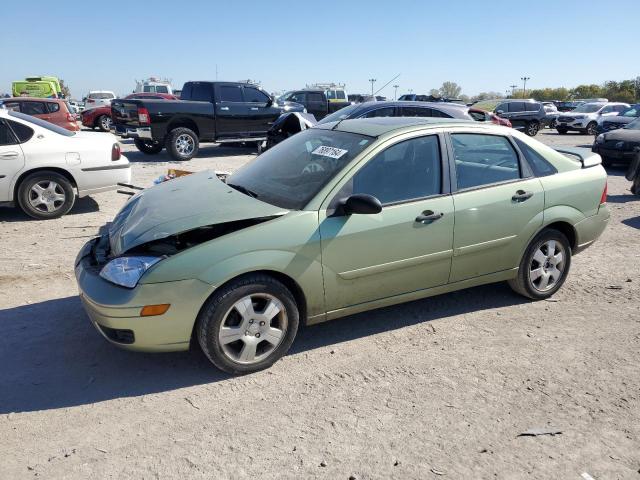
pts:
[231, 112]
[406, 247]
[11, 160]
[498, 205]
[262, 113]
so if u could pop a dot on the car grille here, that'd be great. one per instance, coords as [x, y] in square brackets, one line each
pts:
[566, 119]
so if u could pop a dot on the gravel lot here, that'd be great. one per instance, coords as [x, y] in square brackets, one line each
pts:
[439, 388]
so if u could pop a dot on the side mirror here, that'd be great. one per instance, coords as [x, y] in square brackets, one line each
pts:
[359, 203]
[269, 102]
[499, 112]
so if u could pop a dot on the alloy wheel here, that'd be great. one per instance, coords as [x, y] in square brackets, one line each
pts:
[105, 122]
[547, 266]
[46, 196]
[253, 328]
[185, 144]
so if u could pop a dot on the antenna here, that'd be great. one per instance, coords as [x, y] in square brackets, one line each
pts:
[385, 84]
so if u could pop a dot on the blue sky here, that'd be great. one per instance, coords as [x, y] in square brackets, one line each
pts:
[481, 45]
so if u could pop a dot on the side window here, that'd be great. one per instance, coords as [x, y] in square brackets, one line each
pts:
[478, 116]
[15, 106]
[23, 132]
[6, 135]
[407, 170]
[315, 98]
[298, 98]
[186, 91]
[253, 95]
[229, 93]
[201, 92]
[483, 159]
[379, 112]
[340, 95]
[607, 110]
[619, 108]
[439, 114]
[504, 107]
[416, 112]
[532, 106]
[540, 166]
[34, 108]
[516, 107]
[53, 107]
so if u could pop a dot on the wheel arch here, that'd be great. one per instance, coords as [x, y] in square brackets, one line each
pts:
[25, 174]
[183, 122]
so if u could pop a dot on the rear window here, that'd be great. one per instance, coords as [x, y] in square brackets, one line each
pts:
[340, 95]
[23, 132]
[53, 107]
[101, 95]
[41, 123]
[540, 166]
[162, 89]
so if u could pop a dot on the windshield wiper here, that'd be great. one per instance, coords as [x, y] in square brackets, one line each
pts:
[244, 190]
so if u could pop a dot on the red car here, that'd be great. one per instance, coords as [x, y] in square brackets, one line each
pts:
[484, 116]
[100, 117]
[54, 110]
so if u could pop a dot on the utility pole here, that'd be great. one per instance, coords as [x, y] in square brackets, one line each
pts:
[372, 80]
[513, 90]
[395, 94]
[524, 86]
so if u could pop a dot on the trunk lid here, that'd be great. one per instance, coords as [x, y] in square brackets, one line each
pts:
[179, 205]
[125, 112]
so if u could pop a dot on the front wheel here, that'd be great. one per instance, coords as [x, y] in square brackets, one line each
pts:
[591, 128]
[248, 325]
[562, 130]
[45, 195]
[148, 147]
[182, 144]
[544, 266]
[532, 129]
[104, 123]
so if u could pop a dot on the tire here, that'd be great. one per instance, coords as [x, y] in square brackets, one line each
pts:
[148, 147]
[562, 131]
[606, 162]
[540, 263]
[532, 129]
[103, 122]
[591, 128]
[182, 144]
[633, 171]
[234, 355]
[54, 198]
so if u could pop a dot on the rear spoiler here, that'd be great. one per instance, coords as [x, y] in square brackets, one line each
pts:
[585, 156]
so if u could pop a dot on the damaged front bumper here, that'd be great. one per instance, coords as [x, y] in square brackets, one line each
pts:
[115, 311]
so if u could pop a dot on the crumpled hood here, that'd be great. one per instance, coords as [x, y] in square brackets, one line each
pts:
[179, 205]
[626, 134]
[618, 119]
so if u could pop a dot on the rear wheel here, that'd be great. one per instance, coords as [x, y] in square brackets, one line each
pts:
[149, 147]
[182, 143]
[532, 129]
[544, 266]
[591, 128]
[45, 195]
[103, 122]
[248, 325]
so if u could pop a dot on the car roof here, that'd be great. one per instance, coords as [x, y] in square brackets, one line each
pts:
[377, 126]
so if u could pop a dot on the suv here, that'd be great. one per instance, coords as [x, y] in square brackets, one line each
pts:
[526, 115]
[53, 110]
[585, 118]
[98, 98]
[317, 102]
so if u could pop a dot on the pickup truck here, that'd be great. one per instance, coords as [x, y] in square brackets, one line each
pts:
[220, 112]
[316, 101]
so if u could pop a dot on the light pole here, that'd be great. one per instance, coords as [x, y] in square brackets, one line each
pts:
[372, 80]
[524, 86]
[513, 90]
[395, 94]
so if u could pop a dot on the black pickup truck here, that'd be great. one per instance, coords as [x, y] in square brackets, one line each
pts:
[221, 112]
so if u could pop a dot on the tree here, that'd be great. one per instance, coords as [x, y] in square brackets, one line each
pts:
[434, 92]
[450, 90]
[486, 96]
[587, 91]
[65, 90]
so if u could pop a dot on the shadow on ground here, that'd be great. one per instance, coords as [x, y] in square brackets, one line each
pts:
[82, 206]
[206, 150]
[52, 357]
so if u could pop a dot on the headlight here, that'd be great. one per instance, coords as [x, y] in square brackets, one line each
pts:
[600, 138]
[126, 271]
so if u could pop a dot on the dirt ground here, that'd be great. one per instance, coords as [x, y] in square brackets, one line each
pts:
[439, 388]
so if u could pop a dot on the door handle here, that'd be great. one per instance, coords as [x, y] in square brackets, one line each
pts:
[521, 196]
[9, 155]
[254, 108]
[429, 216]
[224, 108]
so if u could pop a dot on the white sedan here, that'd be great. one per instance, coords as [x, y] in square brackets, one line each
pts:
[43, 167]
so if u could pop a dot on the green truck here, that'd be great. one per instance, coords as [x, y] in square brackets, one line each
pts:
[41, 87]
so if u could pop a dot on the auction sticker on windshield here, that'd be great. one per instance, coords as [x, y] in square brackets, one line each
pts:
[330, 152]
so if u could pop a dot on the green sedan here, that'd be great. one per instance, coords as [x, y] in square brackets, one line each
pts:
[338, 219]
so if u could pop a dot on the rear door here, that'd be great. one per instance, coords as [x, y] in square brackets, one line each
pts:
[262, 113]
[11, 159]
[232, 114]
[498, 204]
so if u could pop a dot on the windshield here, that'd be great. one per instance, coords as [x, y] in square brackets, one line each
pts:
[588, 108]
[633, 112]
[339, 114]
[635, 125]
[42, 123]
[294, 171]
[284, 97]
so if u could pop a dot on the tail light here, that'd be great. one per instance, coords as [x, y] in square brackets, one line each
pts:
[115, 152]
[143, 116]
[603, 197]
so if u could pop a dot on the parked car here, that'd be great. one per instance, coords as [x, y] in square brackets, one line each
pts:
[585, 118]
[526, 115]
[44, 167]
[412, 97]
[54, 110]
[617, 146]
[98, 98]
[568, 105]
[223, 112]
[78, 106]
[100, 117]
[361, 98]
[339, 219]
[315, 101]
[552, 114]
[484, 116]
[608, 123]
